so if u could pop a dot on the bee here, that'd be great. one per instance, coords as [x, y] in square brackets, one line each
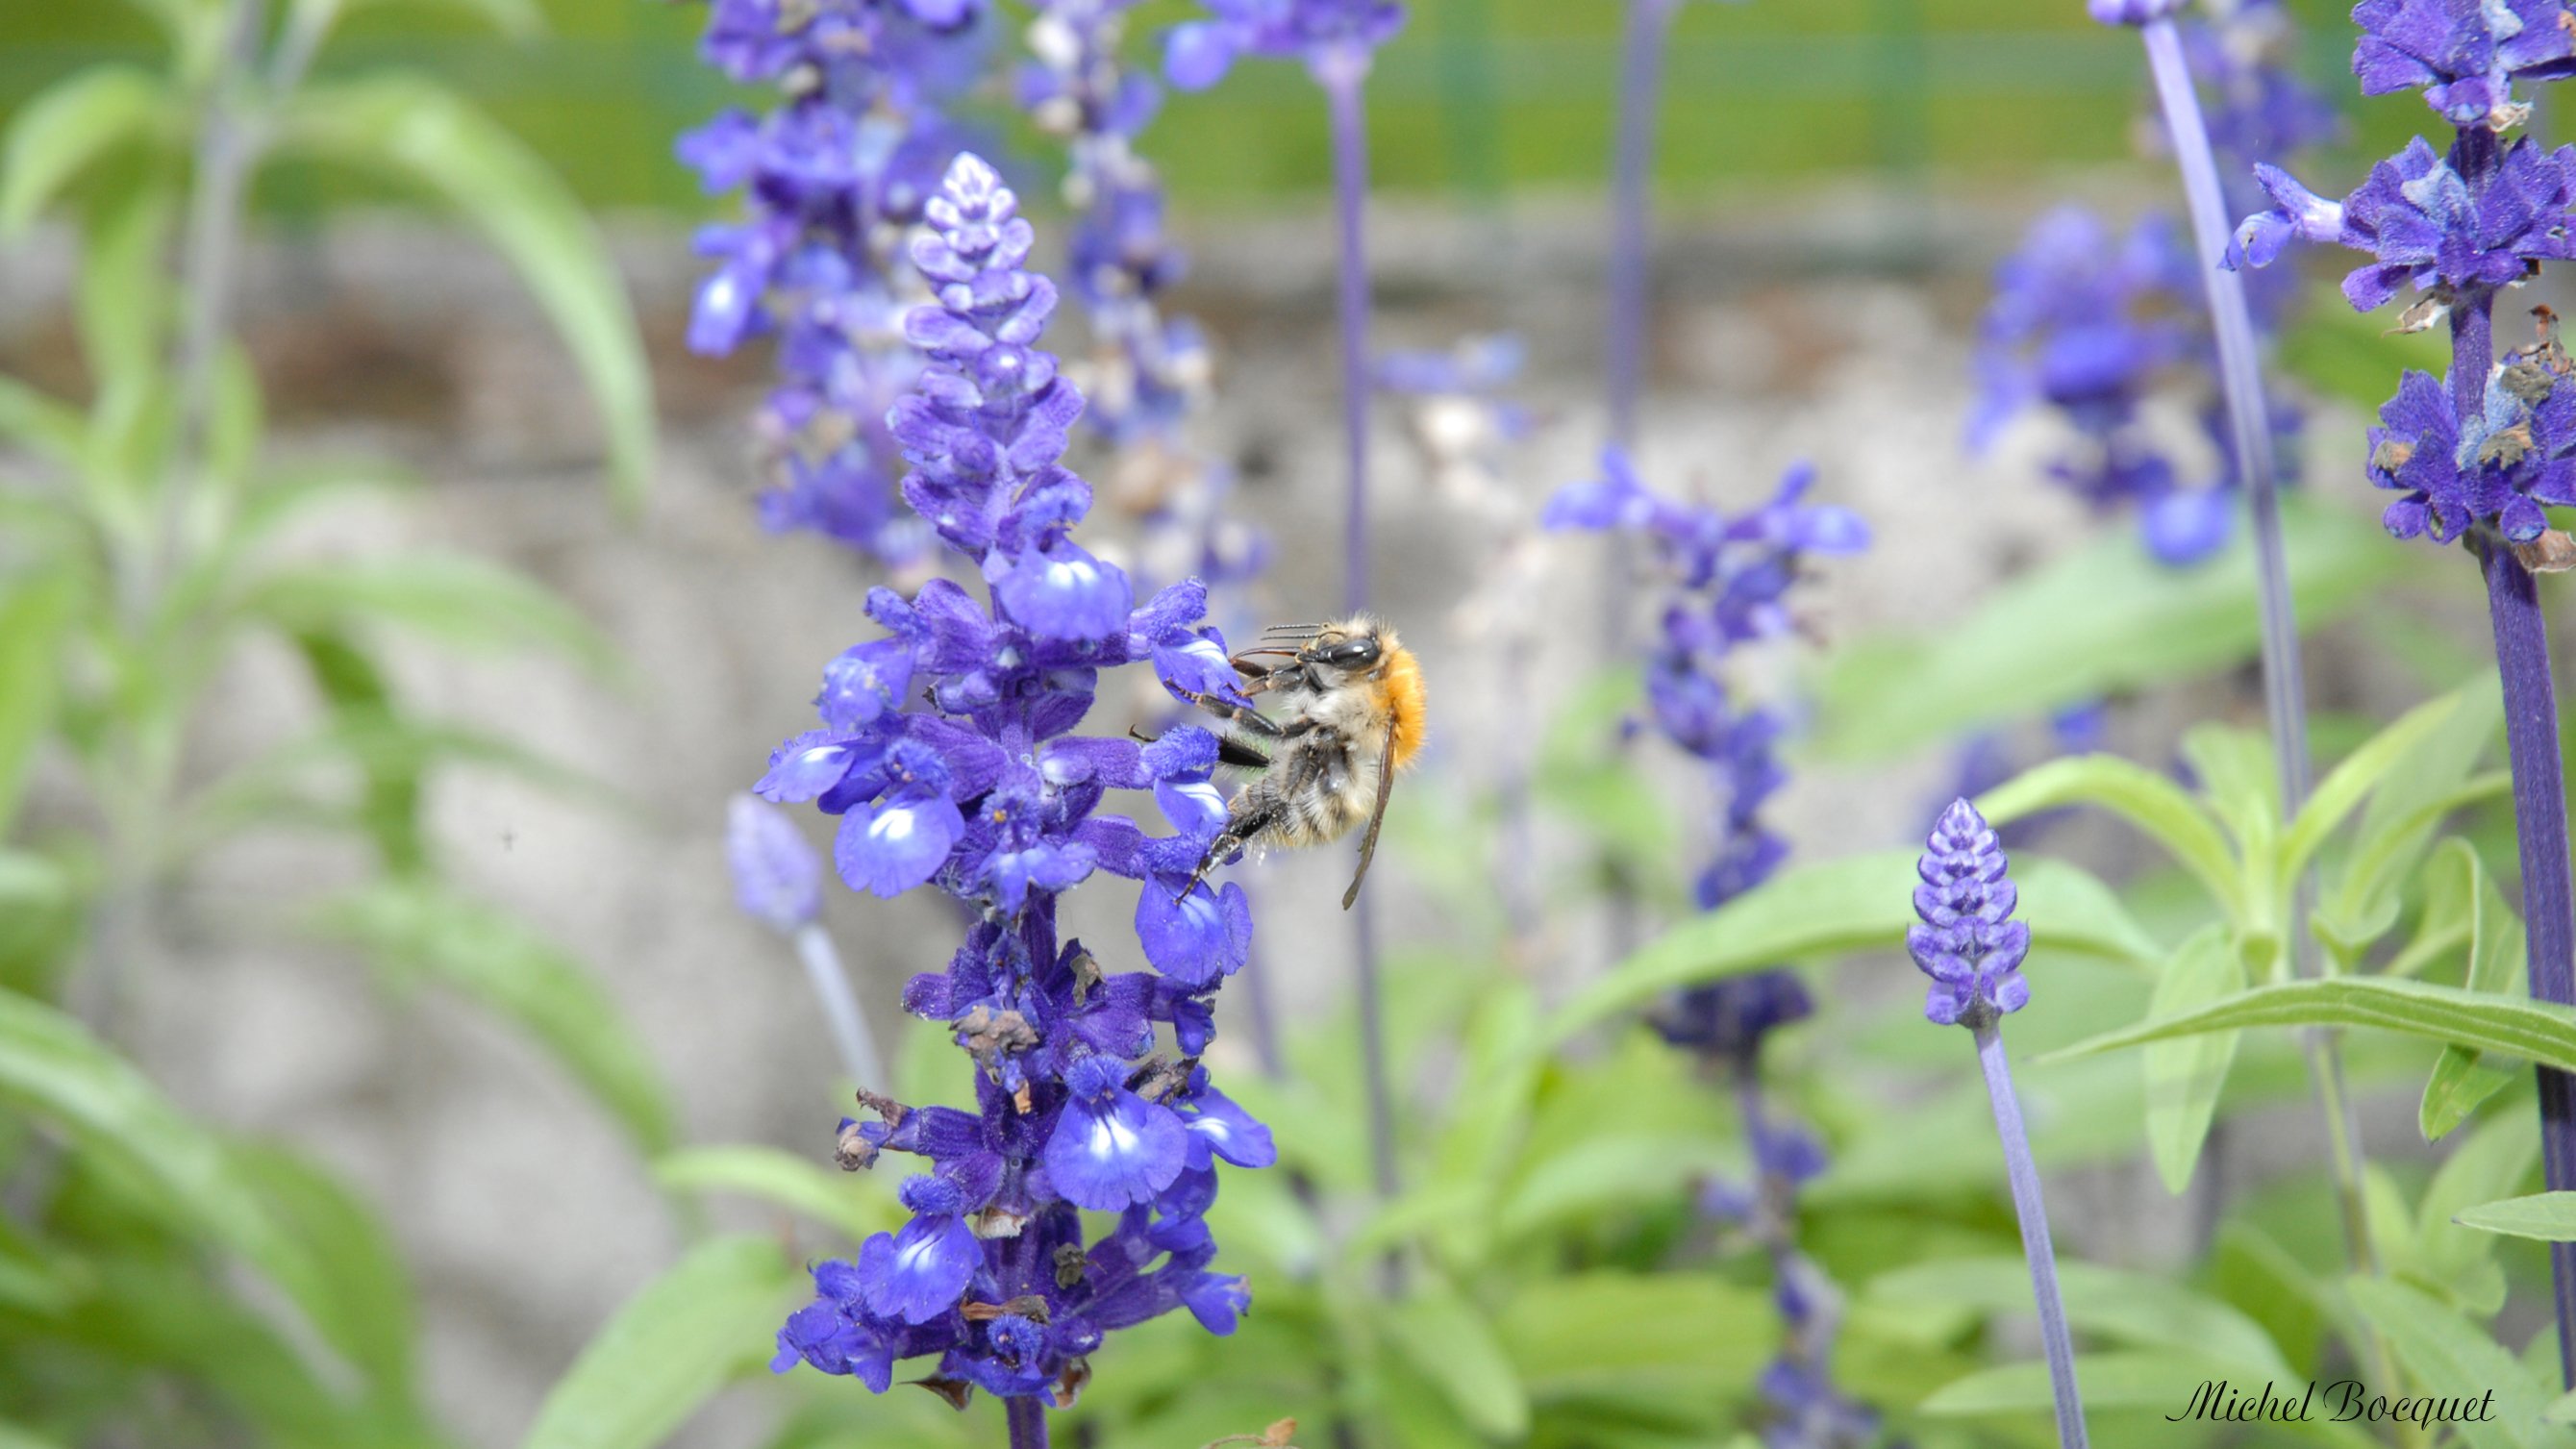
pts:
[1353, 696]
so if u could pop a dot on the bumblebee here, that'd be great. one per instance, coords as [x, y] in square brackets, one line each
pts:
[1352, 694]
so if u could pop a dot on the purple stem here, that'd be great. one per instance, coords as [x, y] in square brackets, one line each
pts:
[2035, 1247]
[2285, 709]
[2531, 740]
[1027, 1418]
[2241, 374]
[1641, 70]
[1343, 73]
[2540, 830]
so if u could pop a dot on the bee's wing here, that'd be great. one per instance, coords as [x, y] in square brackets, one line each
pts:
[1377, 814]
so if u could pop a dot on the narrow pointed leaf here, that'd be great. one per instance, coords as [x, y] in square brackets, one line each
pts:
[2186, 1074]
[836, 1199]
[2549, 1217]
[2155, 806]
[2358, 774]
[2446, 1355]
[2531, 1029]
[1454, 1347]
[2463, 1079]
[59, 132]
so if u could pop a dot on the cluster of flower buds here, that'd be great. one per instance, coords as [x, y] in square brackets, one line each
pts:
[990, 796]
[831, 179]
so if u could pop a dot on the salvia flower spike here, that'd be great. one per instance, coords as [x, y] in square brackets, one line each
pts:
[2473, 457]
[778, 881]
[831, 180]
[1972, 948]
[1731, 580]
[989, 795]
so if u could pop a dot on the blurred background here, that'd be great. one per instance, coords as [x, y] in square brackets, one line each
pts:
[1835, 181]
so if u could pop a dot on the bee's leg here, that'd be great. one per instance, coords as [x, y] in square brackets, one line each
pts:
[1251, 720]
[1258, 816]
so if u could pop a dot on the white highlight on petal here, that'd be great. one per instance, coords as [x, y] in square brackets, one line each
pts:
[894, 827]
[1111, 1139]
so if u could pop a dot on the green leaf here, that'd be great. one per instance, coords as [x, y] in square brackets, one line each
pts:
[35, 616]
[711, 1319]
[2158, 808]
[2549, 1217]
[2356, 776]
[1600, 1332]
[2160, 1381]
[365, 1307]
[40, 424]
[1858, 903]
[2434, 778]
[421, 929]
[2462, 1079]
[516, 19]
[1451, 1343]
[2448, 1356]
[2495, 1160]
[835, 1199]
[2098, 620]
[67, 126]
[2185, 1076]
[2137, 1309]
[428, 133]
[452, 597]
[12, 1437]
[124, 306]
[2532, 1029]
[52, 1067]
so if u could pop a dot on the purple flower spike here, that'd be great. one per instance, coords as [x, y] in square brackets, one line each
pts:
[777, 880]
[1967, 942]
[949, 751]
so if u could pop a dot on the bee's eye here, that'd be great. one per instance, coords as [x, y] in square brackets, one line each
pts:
[1352, 654]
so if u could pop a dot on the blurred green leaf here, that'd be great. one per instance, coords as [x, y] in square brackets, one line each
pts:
[711, 1319]
[2157, 807]
[43, 426]
[2496, 1160]
[365, 1305]
[35, 616]
[2549, 1217]
[517, 19]
[2163, 1381]
[420, 929]
[2358, 775]
[1858, 903]
[2185, 1076]
[2448, 1356]
[1449, 1340]
[2462, 1079]
[456, 598]
[12, 1437]
[67, 126]
[123, 307]
[1601, 1332]
[428, 133]
[2537, 1030]
[836, 1199]
[2137, 1309]
[2103, 618]
[51, 1066]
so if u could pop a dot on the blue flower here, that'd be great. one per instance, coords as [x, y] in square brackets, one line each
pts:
[949, 747]
[2463, 54]
[1198, 54]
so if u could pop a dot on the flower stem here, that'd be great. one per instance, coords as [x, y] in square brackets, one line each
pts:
[2024, 1176]
[1343, 73]
[2285, 710]
[2540, 830]
[1027, 1418]
[1641, 70]
[841, 1011]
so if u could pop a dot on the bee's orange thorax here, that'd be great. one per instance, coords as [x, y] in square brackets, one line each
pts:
[1401, 678]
